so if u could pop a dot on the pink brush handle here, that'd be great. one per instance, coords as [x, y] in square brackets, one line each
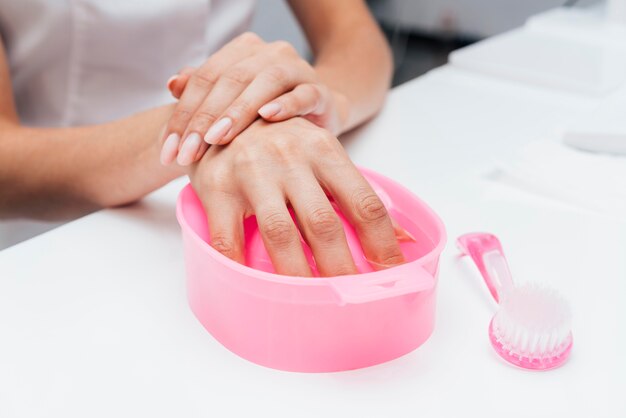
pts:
[486, 251]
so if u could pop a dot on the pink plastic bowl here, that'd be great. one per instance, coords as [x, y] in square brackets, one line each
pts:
[316, 324]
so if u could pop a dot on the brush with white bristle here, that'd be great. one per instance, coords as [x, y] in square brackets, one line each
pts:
[532, 328]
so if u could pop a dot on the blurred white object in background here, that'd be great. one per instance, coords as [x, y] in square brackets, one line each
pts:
[604, 28]
[467, 18]
[546, 61]
[601, 24]
[616, 11]
[578, 50]
[603, 130]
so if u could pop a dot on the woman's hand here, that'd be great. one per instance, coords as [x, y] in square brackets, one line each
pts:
[293, 163]
[245, 79]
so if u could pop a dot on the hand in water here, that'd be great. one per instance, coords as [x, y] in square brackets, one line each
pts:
[273, 166]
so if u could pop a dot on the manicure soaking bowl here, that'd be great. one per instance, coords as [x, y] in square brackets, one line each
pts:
[319, 324]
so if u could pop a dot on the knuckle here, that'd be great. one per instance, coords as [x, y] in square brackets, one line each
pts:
[306, 73]
[181, 115]
[322, 136]
[390, 256]
[286, 147]
[202, 118]
[312, 91]
[249, 38]
[215, 178]
[278, 229]
[277, 75]
[224, 245]
[238, 75]
[324, 223]
[368, 206]
[284, 47]
[324, 141]
[393, 258]
[245, 159]
[203, 79]
[240, 109]
[344, 270]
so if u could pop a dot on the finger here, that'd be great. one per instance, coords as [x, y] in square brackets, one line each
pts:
[278, 230]
[230, 85]
[204, 78]
[303, 100]
[185, 71]
[320, 225]
[190, 150]
[169, 151]
[366, 213]
[243, 110]
[197, 88]
[225, 90]
[177, 83]
[225, 215]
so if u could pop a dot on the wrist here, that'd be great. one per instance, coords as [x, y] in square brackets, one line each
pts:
[342, 107]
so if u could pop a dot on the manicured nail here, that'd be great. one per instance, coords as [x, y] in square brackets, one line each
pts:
[189, 149]
[270, 109]
[170, 149]
[170, 81]
[218, 130]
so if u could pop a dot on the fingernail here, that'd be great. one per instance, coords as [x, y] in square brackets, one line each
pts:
[402, 235]
[170, 148]
[170, 81]
[218, 130]
[189, 149]
[270, 109]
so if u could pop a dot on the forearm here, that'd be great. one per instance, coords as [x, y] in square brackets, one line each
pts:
[346, 65]
[61, 172]
[351, 54]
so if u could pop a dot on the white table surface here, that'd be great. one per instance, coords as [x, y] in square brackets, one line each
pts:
[94, 321]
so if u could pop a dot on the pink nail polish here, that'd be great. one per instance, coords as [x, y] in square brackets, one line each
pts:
[170, 149]
[189, 149]
[218, 130]
[270, 109]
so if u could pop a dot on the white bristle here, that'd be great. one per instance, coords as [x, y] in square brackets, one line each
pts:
[533, 322]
